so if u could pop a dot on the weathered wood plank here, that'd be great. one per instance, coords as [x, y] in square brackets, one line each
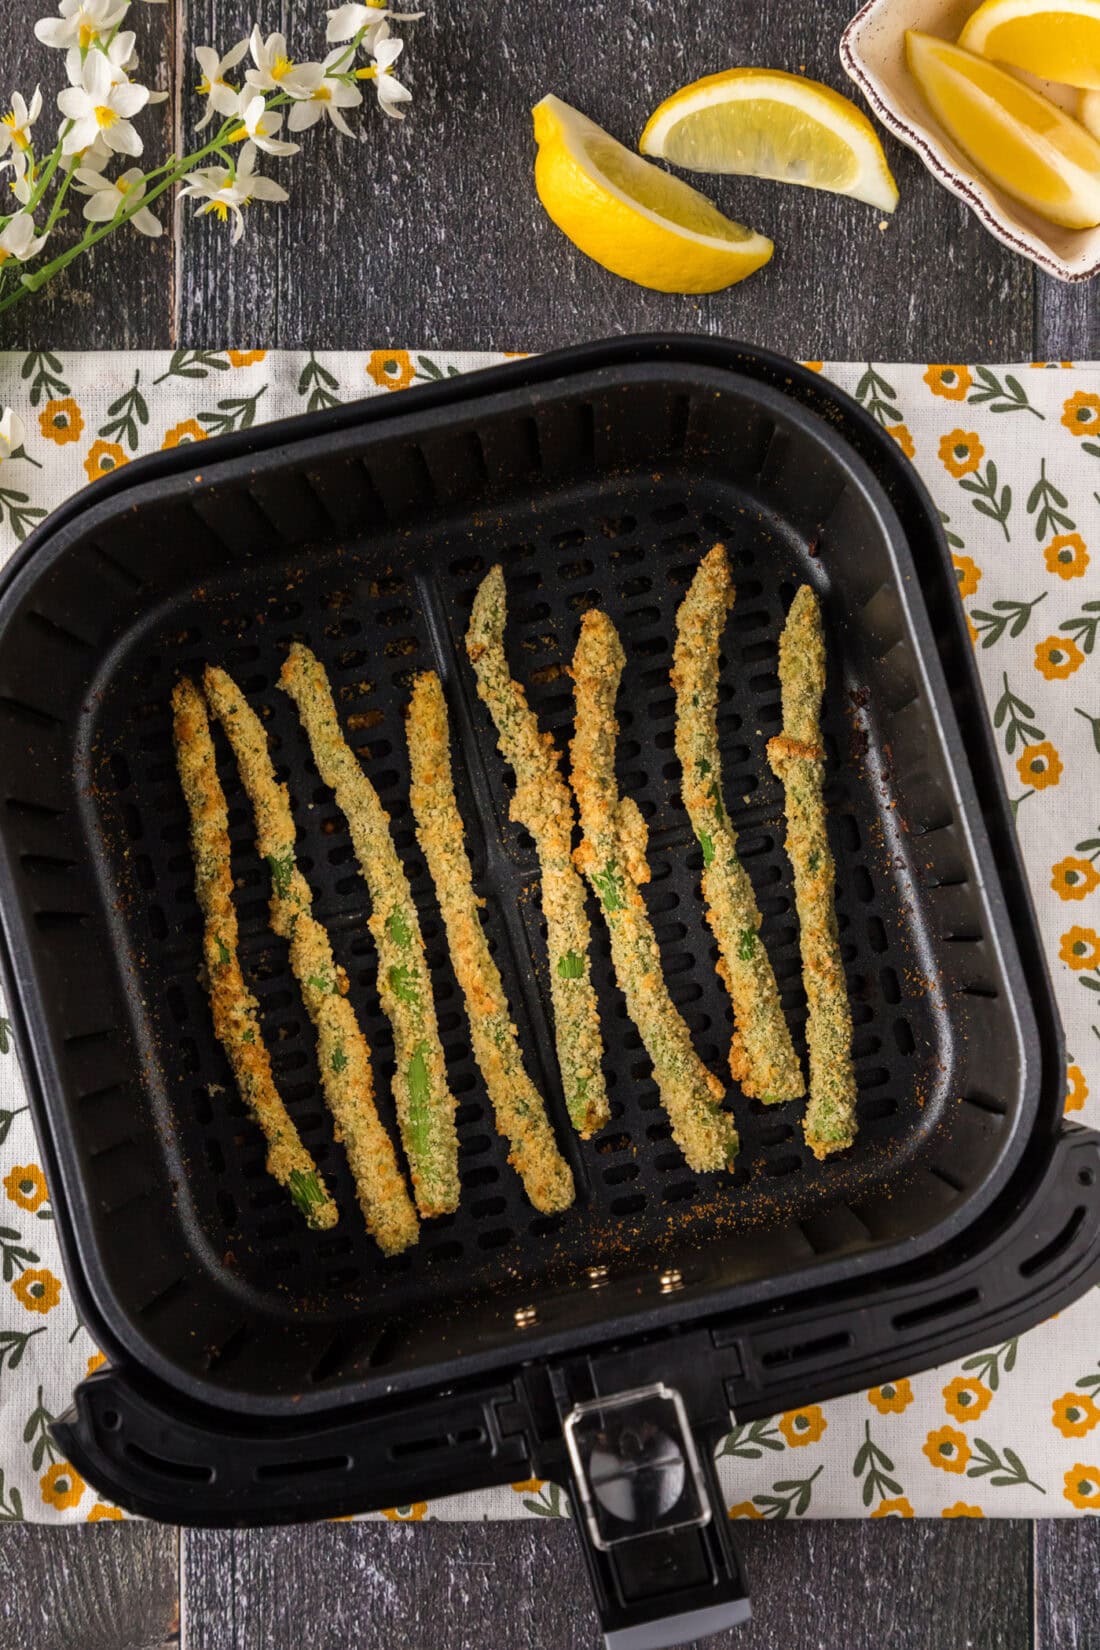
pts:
[431, 230]
[121, 295]
[93, 1587]
[522, 1587]
[1067, 1583]
[1067, 320]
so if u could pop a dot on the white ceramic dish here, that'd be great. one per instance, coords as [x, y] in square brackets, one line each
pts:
[872, 50]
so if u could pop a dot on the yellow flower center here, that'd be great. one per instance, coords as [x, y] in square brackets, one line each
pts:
[204, 87]
[4, 256]
[88, 36]
[236, 134]
[18, 133]
[105, 116]
[367, 74]
[281, 67]
[323, 94]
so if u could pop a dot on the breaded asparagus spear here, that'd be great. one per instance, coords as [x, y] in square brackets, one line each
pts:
[544, 805]
[762, 1056]
[425, 1104]
[612, 856]
[798, 759]
[342, 1051]
[520, 1113]
[233, 1007]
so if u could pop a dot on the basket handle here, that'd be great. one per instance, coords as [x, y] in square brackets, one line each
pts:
[651, 1521]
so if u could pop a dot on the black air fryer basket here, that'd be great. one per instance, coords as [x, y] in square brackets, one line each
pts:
[262, 1372]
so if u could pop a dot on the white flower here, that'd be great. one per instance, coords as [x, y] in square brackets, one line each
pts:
[81, 23]
[386, 50]
[12, 433]
[15, 126]
[260, 125]
[275, 71]
[19, 241]
[102, 105]
[346, 21]
[107, 197]
[326, 98]
[226, 191]
[22, 181]
[120, 54]
[221, 97]
[94, 158]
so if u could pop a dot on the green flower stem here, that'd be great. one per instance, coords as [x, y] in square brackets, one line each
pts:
[59, 199]
[92, 237]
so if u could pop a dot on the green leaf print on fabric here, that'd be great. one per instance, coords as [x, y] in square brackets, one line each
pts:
[1006, 615]
[430, 370]
[992, 499]
[789, 1496]
[1048, 506]
[1001, 395]
[236, 412]
[37, 1434]
[317, 385]
[13, 1344]
[126, 416]
[11, 1504]
[874, 1466]
[549, 1503]
[45, 373]
[194, 363]
[18, 512]
[1004, 1470]
[989, 1366]
[749, 1442]
[1013, 716]
[878, 397]
[1082, 627]
[952, 538]
[13, 1255]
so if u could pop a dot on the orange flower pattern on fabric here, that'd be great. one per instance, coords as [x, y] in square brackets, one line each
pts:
[61, 1486]
[1057, 658]
[180, 435]
[1077, 1090]
[103, 457]
[803, 1426]
[1080, 949]
[965, 1399]
[1066, 555]
[951, 382]
[37, 1289]
[391, 369]
[245, 357]
[903, 438]
[1040, 766]
[1074, 878]
[96, 1361]
[745, 1509]
[529, 1486]
[61, 421]
[962, 1510]
[102, 1511]
[947, 1449]
[891, 1397]
[1081, 414]
[26, 1186]
[960, 453]
[968, 575]
[1082, 1487]
[411, 1514]
[899, 1507]
[1075, 1414]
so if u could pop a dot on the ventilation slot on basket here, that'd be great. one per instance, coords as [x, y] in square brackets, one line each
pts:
[188, 1472]
[799, 1351]
[312, 1467]
[949, 1307]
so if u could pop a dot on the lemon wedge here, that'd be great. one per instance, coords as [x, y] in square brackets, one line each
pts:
[1054, 39]
[632, 217]
[765, 123]
[1023, 142]
[1088, 112]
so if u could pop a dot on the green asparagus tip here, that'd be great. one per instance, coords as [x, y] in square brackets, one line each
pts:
[306, 1190]
[570, 966]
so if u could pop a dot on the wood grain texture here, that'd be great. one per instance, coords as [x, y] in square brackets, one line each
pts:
[1067, 1584]
[93, 1587]
[928, 1586]
[430, 230]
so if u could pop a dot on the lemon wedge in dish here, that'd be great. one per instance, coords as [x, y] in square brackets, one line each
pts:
[765, 123]
[1023, 142]
[1054, 39]
[632, 217]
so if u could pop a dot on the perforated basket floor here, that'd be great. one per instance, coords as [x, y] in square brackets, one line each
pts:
[370, 545]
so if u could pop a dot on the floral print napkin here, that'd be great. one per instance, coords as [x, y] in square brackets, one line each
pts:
[1012, 457]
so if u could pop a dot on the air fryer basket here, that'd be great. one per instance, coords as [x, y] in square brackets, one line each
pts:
[596, 479]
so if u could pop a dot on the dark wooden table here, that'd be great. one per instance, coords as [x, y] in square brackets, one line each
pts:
[430, 233]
